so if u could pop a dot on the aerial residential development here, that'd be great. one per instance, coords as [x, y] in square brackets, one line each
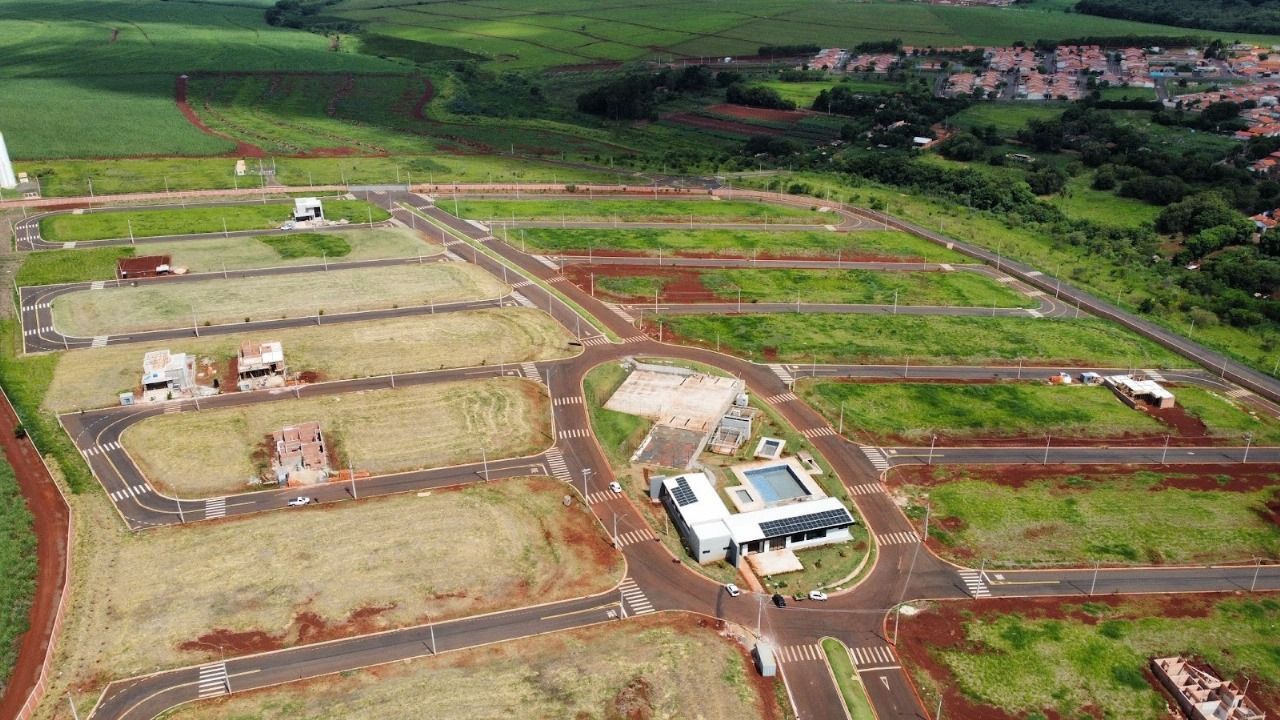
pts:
[800, 360]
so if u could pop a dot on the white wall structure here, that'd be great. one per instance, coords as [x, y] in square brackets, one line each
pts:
[7, 178]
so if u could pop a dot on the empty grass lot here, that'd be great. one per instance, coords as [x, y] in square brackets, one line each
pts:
[951, 340]
[47, 267]
[213, 301]
[915, 410]
[377, 431]
[619, 434]
[662, 210]
[864, 287]
[1226, 418]
[655, 667]
[94, 378]
[875, 244]
[331, 561]
[114, 224]
[1094, 658]
[1112, 517]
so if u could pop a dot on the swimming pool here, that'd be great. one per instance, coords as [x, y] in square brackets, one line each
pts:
[776, 482]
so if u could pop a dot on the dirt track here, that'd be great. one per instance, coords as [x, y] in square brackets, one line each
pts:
[51, 518]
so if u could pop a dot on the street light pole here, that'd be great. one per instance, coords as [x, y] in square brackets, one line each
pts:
[1257, 568]
[1165, 453]
[933, 439]
[1094, 584]
[1248, 442]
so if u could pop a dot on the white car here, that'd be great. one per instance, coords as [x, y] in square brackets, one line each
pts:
[817, 595]
[614, 486]
[732, 590]
[300, 501]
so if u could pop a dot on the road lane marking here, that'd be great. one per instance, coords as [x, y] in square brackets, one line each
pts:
[634, 598]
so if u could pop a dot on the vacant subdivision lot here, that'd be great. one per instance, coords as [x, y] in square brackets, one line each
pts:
[652, 667]
[1049, 657]
[286, 578]
[633, 210]
[942, 340]
[859, 245]
[47, 267]
[94, 378]
[212, 452]
[166, 304]
[1012, 515]
[162, 222]
[858, 287]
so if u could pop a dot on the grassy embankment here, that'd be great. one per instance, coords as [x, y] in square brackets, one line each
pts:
[115, 224]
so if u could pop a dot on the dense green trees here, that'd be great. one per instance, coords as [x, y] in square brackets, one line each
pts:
[1249, 16]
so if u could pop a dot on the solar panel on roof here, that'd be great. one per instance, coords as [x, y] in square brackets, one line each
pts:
[683, 493]
[802, 523]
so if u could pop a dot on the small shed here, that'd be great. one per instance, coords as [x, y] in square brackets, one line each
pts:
[168, 372]
[763, 655]
[1133, 390]
[260, 364]
[307, 209]
[146, 266]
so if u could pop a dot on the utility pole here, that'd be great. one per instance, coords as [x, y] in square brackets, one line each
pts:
[432, 628]
[1047, 439]
[585, 473]
[927, 509]
[1165, 454]
[1257, 567]
[933, 439]
[1248, 442]
[352, 469]
[74, 713]
[1094, 584]
[485, 459]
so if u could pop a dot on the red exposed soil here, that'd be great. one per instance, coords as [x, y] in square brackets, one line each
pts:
[50, 518]
[307, 627]
[681, 284]
[736, 128]
[941, 628]
[428, 92]
[790, 117]
[1225, 478]
[243, 149]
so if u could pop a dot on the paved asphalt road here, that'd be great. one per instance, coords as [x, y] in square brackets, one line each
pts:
[902, 569]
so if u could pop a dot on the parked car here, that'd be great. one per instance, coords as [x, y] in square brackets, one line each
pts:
[615, 487]
[779, 601]
[300, 501]
[289, 225]
[732, 590]
[817, 595]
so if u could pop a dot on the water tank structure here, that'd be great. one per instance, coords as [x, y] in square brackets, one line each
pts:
[7, 178]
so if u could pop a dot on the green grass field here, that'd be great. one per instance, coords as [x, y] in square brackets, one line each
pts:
[159, 223]
[1079, 200]
[1128, 93]
[674, 211]
[1115, 517]
[1226, 418]
[1095, 658]
[827, 286]
[917, 410]
[619, 434]
[1007, 117]
[17, 567]
[866, 338]
[855, 696]
[46, 267]
[872, 244]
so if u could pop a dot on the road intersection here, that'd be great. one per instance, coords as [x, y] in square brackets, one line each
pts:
[901, 571]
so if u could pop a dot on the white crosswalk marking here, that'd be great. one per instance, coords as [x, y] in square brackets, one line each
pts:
[215, 508]
[634, 536]
[1239, 393]
[39, 330]
[598, 497]
[824, 431]
[1034, 313]
[103, 449]
[635, 339]
[800, 653]
[568, 400]
[974, 584]
[617, 310]
[874, 655]
[522, 283]
[100, 341]
[97, 284]
[521, 300]
[947, 268]
[877, 458]
[1154, 375]
[899, 538]
[531, 371]
[867, 489]
[172, 408]
[781, 398]
[597, 340]
[555, 460]
[213, 680]
[573, 433]
[69, 245]
[37, 306]
[782, 374]
[636, 601]
[547, 261]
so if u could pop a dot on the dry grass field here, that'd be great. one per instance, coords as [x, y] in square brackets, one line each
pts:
[656, 667]
[94, 377]
[198, 454]
[288, 577]
[162, 305]
[250, 252]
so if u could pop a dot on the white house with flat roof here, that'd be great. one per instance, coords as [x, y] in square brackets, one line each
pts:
[711, 532]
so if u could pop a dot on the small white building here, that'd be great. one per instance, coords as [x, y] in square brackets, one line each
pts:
[166, 372]
[260, 365]
[712, 533]
[7, 179]
[1132, 390]
[307, 209]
